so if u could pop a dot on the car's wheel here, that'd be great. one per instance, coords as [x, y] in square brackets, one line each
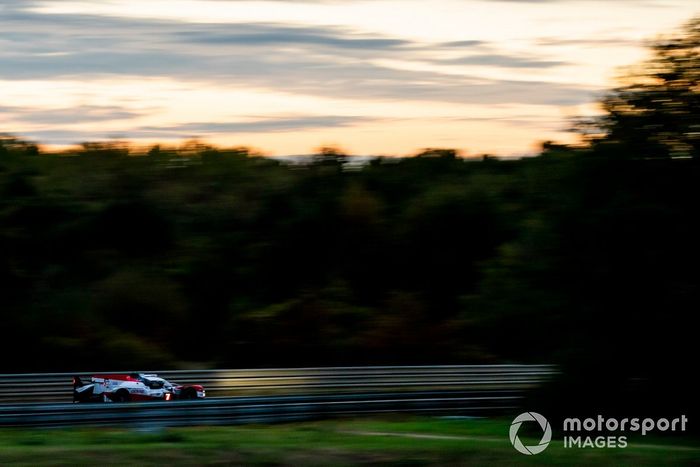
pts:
[121, 396]
[189, 393]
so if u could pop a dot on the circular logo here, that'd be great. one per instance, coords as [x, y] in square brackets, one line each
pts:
[530, 417]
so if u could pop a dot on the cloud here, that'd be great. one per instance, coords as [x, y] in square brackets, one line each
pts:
[461, 44]
[587, 42]
[261, 125]
[255, 126]
[503, 61]
[78, 114]
[248, 35]
[320, 61]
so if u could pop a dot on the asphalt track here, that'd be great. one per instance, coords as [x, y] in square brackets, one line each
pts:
[279, 395]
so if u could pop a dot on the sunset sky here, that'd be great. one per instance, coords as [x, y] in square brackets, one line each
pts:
[371, 76]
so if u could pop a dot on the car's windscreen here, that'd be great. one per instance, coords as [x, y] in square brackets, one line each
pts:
[153, 384]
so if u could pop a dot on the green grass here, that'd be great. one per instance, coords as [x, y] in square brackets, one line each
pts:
[388, 441]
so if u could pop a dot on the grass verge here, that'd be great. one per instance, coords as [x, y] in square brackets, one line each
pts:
[386, 441]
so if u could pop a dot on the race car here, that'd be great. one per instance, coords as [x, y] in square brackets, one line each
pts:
[132, 387]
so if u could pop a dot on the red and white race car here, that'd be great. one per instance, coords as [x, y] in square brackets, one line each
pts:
[132, 387]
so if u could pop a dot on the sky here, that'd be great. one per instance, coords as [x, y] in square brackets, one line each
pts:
[373, 77]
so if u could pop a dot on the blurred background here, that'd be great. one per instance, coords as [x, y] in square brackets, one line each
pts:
[118, 256]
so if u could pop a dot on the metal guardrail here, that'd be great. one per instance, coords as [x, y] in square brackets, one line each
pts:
[57, 387]
[239, 410]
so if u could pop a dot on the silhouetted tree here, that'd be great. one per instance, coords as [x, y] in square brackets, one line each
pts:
[655, 113]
